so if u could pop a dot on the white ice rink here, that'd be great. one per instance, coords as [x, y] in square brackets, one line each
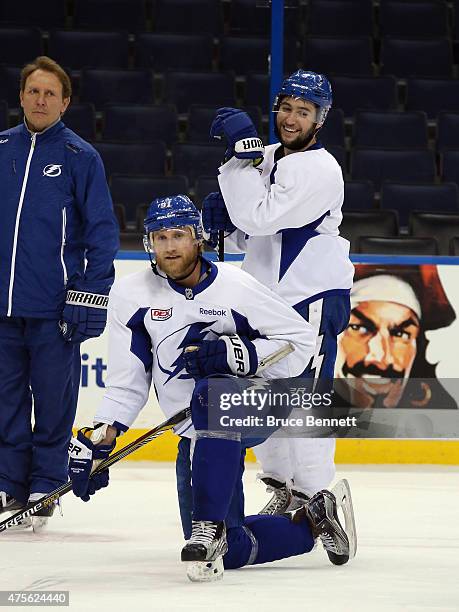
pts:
[121, 551]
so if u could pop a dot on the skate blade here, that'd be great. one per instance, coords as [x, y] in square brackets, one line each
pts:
[39, 523]
[205, 571]
[22, 526]
[342, 492]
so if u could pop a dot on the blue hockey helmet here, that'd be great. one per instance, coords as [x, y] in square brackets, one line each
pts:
[171, 212]
[309, 86]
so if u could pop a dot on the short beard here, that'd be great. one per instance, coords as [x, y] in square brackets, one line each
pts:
[301, 142]
[188, 268]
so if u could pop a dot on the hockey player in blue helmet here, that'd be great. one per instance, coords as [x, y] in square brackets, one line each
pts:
[284, 214]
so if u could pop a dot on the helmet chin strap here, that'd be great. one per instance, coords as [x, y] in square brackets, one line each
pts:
[154, 267]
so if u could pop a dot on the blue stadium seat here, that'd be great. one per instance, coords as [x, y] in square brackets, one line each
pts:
[187, 16]
[163, 52]
[127, 158]
[413, 19]
[79, 50]
[134, 191]
[447, 131]
[3, 115]
[339, 55]
[257, 91]
[332, 132]
[135, 123]
[9, 85]
[116, 87]
[368, 222]
[81, 118]
[201, 117]
[398, 130]
[340, 17]
[359, 195]
[193, 160]
[371, 93]
[339, 153]
[405, 198]
[405, 57]
[45, 15]
[186, 88]
[128, 15]
[253, 18]
[203, 186]
[432, 95]
[378, 165]
[18, 46]
[238, 53]
[442, 226]
[401, 245]
[450, 166]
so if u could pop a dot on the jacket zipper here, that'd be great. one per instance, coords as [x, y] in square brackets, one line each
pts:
[64, 224]
[16, 227]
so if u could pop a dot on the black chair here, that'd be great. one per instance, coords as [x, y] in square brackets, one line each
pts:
[442, 226]
[133, 191]
[403, 245]
[253, 18]
[135, 123]
[359, 92]
[407, 57]
[398, 130]
[236, 53]
[131, 241]
[81, 118]
[413, 19]
[163, 52]
[193, 160]
[447, 131]
[371, 222]
[454, 246]
[201, 117]
[9, 85]
[339, 55]
[116, 87]
[187, 16]
[203, 186]
[120, 214]
[3, 115]
[378, 165]
[257, 91]
[432, 95]
[18, 46]
[332, 132]
[359, 195]
[186, 88]
[340, 17]
[126, 158]
[339, 153]
[129, 15]
[79, 50]
[45, 15]
[450, 166]
[405, 198]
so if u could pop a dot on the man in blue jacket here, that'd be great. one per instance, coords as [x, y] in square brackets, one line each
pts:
[58, 239]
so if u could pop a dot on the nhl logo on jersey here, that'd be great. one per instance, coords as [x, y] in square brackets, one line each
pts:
[189, 293]
[161, 314]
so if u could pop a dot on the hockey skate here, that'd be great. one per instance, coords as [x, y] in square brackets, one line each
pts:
[322, 513]
[11, 505]
[39, 520]
[205, 550]
[281, 499]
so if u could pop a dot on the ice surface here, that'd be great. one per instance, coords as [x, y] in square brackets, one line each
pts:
[121, 551]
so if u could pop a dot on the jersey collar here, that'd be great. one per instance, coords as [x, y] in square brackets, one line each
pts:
[190, 292]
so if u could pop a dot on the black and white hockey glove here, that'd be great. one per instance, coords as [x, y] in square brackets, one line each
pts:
[229, 355]
[84, 315]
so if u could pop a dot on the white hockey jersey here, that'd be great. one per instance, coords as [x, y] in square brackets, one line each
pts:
[151, 320]
[288, 212]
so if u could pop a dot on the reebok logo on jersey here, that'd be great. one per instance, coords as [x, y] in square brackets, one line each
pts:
[82, 298]
[160, 314]
[213, 312]
[52, 170]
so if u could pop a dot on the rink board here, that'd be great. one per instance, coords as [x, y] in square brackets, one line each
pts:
[442, 346]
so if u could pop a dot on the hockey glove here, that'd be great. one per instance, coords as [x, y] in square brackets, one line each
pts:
[229, 355]
[215, 217]
[84, 315]
[240, 133]
[85, 454]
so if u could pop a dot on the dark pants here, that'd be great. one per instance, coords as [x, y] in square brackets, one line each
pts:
[35, 364]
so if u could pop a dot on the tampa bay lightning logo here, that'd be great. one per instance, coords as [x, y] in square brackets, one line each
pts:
[52, 170]
[195, 333]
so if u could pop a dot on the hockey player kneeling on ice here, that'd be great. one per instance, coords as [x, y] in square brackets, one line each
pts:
[183, 325]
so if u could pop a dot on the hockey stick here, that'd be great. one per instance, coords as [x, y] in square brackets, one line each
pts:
[34, 507]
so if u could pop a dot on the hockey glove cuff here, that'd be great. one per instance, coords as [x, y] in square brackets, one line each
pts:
[84, 315]
[240, 133]
[233, 354]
